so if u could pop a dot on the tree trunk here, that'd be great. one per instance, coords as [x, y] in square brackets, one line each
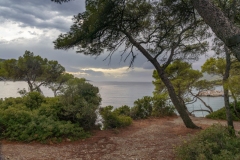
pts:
[204, 103]
[226, 90]
[178, 105]
[220, 25]
[180, 108]
[235, 104]
[30, 86]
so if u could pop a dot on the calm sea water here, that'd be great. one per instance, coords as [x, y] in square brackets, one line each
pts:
[115, 94]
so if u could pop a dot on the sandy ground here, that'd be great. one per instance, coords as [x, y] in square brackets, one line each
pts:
[143, 140]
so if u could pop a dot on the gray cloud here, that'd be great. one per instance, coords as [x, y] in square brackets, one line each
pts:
[51, 18]
[43, 46]
[40, 13]
[148, 65]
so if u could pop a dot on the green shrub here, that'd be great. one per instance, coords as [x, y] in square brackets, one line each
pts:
[50, 107]
[13, 121]
[160, 106]
[43, 128]
[33, 100]
[214, 143]
[8, 102]
[124, 110]
[80, 102]
[221, 113]
[23, 125]
[142, 108]
[35, 117]
[156, 106]
[112, 119]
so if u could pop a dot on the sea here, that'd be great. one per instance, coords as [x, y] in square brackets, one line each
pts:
[115, 94]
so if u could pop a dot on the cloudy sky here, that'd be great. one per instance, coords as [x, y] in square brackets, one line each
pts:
[34, 24]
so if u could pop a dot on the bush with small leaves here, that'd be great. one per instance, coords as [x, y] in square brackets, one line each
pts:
[214, 143]
[51, 107]
[123, 110]
[37, 122]
[43, 129]
[157, 106]
[221, 113]
[142, 108]
[113, 120]
[161, 107]
[33, 100]
[8, 102]
[80, 101]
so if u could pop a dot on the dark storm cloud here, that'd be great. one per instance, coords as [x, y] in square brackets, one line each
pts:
[45, 16]
[40, 13]
[43, 46]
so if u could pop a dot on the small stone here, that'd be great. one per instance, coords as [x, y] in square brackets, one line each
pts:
[68, 140]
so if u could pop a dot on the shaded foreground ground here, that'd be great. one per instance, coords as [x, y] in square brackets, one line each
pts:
[145, 139]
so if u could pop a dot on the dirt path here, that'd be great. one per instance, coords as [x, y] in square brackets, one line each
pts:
[144, 139]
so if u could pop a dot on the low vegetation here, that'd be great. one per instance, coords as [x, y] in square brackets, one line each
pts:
[156, 106]
[34, 117]
[145, 107]
[221, 113]
[114, 118]
[214, 143]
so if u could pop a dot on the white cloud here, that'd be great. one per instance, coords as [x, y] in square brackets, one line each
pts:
[115, 74]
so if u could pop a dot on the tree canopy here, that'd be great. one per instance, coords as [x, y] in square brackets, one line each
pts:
[213, 16]
[186, 81]
[35, 70]
[153, 28]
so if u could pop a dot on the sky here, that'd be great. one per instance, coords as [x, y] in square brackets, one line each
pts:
[33, 25]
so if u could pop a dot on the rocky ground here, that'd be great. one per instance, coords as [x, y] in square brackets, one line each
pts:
[144, 139]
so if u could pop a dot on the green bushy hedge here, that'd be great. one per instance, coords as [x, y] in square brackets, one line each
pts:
[156, 106]
[221, 113]
[142, 108]
[39, 118]
[23, 123]
[114, 119]
[79, 104]
[214, 143]
[123, 110]
[161, 107]
[145, 107]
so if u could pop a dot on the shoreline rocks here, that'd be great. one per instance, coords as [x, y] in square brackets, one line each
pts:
[211, 93]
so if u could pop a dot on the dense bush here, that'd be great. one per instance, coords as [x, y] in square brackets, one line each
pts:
[142, 108]
[214, 143]
[156, 106]
[19, 122]
[35, 117]
[7, 102]
[161, 107]
[33, 100]
[26, 126]
[221, 113]
[114, 119]
[79, 104]
[50, 108]
[123, 110]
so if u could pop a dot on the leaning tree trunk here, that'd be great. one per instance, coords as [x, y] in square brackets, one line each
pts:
[235, 104]
[220, 25]
[180, 108]
[226, 90]
[178, 105]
